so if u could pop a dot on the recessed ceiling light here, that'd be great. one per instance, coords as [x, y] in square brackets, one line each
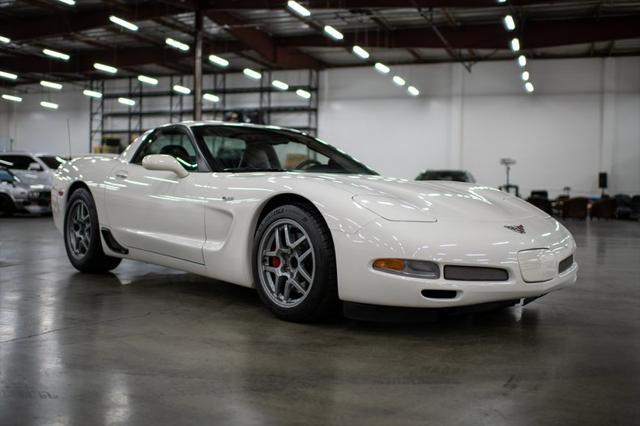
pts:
[12, 98]
[148, 80]
[298, 8]
[529, 87]
[280, 85]
[515, 44]
[177, 44]
[525, 76]
[127, 101]
[181, 89]
[92, 93]
[252, 73]
[105, 68]
[49, 105]
[51, 84]
[522, 60]
[509, 23]
[69, 2]
[413, 91]
[382, 68]
[210, 97]
[56, 54]
[5, 39]
[399, 80]
[333, 33]
[8, 75]
[303, 94]
[359, 51]
[124, 24]
[222, 62]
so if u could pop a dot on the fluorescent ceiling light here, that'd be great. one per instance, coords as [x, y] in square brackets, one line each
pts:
[56, 54]
[280, 85]
[529, 87]
[148, 80]
[399, 80]
[525, 76]
[124, 24]
[382, 67]
[69, 2]
[333, 33]
[49, 105]
[105, 68]
[51, 84]
[127, 101]
[515, 44]
[210, 97]
[5, 40]
[177, 44]
[413, 91]
[502, 1]
[181, 89]
[92, 93]
[12, 98]
[303, 93]
[252, 73]
[359, 51]
[509, 23]
[8, 75]
[522, 60]
[218, 60]
[298, 8]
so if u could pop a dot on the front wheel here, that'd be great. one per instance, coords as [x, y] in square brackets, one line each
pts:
[82, 235]
[294, 264]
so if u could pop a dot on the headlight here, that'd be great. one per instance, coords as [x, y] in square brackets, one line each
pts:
[394, 209]
[408, 267]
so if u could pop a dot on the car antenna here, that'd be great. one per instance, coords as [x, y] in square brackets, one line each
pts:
[69, 137]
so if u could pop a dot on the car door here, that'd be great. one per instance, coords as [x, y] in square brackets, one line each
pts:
[155, 210]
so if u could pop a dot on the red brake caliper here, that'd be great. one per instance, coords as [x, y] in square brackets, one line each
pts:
[275, 262]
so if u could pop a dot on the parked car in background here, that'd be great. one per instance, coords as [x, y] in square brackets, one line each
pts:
[449, 175]
[32, 169]
[16, 197]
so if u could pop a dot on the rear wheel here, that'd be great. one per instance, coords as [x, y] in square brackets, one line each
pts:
[82, 235]
[294, 264]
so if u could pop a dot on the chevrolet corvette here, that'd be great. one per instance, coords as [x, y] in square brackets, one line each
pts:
[310, 227]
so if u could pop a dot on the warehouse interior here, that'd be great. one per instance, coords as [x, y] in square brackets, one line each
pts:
[538, 98]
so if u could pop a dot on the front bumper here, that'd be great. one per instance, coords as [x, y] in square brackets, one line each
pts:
[487, 245]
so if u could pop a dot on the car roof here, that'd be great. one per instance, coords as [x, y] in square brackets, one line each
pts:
[233, 124]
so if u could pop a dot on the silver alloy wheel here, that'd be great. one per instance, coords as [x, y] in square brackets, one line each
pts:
[286, 263]
[79, 229]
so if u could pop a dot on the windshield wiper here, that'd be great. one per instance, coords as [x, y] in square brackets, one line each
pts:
[252, 169]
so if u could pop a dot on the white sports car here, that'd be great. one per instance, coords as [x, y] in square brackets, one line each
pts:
[307, 225]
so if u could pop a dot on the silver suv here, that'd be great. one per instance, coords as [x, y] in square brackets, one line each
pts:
[15, 196]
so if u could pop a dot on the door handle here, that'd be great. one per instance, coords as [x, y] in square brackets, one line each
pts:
[122, 174]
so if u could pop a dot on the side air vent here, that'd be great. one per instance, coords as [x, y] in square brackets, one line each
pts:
[439, 294]
[565, 264]
[112, 243]
[474, 273]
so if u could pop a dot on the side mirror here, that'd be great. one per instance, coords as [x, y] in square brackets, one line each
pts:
[164, 162]
[34, 167]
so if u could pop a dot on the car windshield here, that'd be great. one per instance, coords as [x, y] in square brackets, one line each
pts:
[451, 175]
[6, 176]
[18, 162]
[250, 149]
[52, 161]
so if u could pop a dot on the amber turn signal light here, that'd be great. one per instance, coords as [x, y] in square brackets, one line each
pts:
[408, 267]
[393, 264]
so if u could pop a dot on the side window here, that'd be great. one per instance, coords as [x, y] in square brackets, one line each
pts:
[227, 151]
[173, 142]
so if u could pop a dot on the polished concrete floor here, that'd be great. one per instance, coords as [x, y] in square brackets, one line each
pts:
[153, 346]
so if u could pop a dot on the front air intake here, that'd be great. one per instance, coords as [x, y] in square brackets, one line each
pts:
[474, 273]
[439, 294]
[565, 264]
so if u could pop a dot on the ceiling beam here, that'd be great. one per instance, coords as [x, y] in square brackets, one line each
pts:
[262, 43]
[486, 36]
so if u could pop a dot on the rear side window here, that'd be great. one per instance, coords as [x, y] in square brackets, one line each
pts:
[19, 162]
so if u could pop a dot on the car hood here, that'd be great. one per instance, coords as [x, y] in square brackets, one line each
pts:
[428, 201]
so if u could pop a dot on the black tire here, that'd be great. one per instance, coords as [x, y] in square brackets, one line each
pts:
[321, 300]
[7, 208]
[92, 259]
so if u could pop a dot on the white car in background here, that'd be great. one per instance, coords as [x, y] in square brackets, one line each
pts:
[308, 226]
[16, 197]
[32, 169]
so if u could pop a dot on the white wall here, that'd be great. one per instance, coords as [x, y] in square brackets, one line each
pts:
[584, 117]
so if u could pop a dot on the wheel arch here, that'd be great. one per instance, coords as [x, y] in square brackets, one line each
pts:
[280, 200]
[74, 187]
